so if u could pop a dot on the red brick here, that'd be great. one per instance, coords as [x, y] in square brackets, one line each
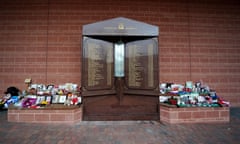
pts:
[198, 114]
[13, 117]
[212, 114]
[164, 114]
[174, 115]
[69, 117]
[19, 70]
[50, 111]
[78, 115]
[27, 117]
[57, 117]
[224, 114]
[42, 117]
[184, 115]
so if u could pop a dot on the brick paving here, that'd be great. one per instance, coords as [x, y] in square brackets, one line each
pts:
[121, 132]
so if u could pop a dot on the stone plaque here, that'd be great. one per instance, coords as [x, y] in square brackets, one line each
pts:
[97, 64]
[142, 64]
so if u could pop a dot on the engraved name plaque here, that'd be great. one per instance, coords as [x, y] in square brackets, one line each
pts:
[142, 64]
[97, 64]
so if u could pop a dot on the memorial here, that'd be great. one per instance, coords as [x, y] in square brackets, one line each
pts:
[120, 70]
[120, 81]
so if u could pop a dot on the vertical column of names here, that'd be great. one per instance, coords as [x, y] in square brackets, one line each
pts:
[142, 64]
[109, 65]
[150, 65]
[135, 67]
[99, 64]
[95, 66]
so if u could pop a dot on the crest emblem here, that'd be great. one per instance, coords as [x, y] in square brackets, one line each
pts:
[120, 26]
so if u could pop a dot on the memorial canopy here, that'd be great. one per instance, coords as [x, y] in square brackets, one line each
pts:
[120, 27]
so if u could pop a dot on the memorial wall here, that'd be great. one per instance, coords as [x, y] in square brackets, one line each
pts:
[138, 65]
[120, 70]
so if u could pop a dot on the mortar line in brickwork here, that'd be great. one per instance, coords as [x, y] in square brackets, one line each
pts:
[46, 69]
[189, 42]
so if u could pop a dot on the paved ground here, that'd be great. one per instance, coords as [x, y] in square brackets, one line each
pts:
[121, 132]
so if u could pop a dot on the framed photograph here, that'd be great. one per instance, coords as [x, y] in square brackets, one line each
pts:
[55, 98]
[40, 99]
[62, 99]
[49, 99]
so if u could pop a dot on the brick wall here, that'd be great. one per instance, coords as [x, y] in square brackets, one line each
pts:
[194, 114]
[66, 116]
[199, 40]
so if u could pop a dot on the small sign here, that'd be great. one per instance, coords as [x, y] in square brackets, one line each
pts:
[28, 80]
